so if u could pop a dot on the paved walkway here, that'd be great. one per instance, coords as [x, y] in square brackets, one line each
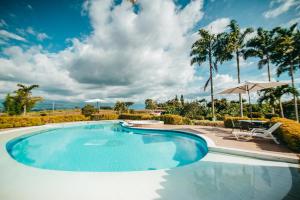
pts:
[222, 137]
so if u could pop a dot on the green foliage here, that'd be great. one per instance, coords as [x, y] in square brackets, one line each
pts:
[270, 115]
[121, 107]
[104, 116]
[172, 119]
[208, 123]
[135, 116]
[14, 122]
[255, 115]
[22, 101]
[88, 110]
[150, 104]
[289, 133]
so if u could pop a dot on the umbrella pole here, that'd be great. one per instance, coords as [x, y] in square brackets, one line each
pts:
[250, 105]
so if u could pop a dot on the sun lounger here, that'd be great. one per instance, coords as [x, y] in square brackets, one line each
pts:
[257, 132]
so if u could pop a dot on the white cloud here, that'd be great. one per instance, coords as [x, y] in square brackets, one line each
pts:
[39, 36]
[218, 26]
[284, 6]
[8, 35]
[3, 23]
[42, 36]
[127, 55]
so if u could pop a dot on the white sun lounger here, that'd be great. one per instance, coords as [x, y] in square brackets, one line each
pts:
[257, 132]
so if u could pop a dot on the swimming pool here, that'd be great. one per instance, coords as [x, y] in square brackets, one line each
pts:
[106, 147]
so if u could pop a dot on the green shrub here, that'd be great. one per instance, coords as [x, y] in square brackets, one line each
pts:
[21, 121]
[271, 115]
[187, 121]
[88, 110]
[135, 116]
[171, 119]
[208, 123]
[255, 115]
[104, 116]
[289, 133]
[228, 120]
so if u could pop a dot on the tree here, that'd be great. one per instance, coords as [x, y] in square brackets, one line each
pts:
[120, 107]
[261, 46]
[88, 110]
[128, 104]
[209, 47]
[286, 55]
[236, 43]
[273, 96]
[150, 104]
[25, 98]
[182, 100]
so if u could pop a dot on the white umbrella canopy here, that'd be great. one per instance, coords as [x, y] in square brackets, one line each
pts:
[249, 86]
[94, 101]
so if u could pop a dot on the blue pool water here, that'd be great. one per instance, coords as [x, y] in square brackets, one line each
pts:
[107, 147]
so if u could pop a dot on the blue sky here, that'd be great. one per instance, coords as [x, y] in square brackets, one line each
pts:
[108, 49]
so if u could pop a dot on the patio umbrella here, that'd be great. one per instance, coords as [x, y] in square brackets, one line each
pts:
[95, 101]
[248, 87]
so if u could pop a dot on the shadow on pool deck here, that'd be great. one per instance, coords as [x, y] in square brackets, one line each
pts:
[219, 181]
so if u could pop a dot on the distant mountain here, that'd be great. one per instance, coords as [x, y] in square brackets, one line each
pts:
[61, 105]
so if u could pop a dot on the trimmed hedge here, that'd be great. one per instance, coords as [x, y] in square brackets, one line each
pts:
[104, 116]
[135, 116]
[228, 120]
[172, 119]
[208, 123]
[21, 121]
[289, 132]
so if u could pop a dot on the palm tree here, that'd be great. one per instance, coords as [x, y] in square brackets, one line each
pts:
[261, 46]
[274, 95]
[202, 51]
[286, 55]
[24, 93]
[236, 43]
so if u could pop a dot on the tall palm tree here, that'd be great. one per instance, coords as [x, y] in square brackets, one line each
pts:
[273, 96]
[24, 93]
[286, 55]
[236, 43]
[209, 48]
[261, 46]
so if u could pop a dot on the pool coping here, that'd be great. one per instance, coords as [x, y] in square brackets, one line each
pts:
[210, 143]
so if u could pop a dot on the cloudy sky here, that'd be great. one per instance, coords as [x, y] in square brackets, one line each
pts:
[110, 49]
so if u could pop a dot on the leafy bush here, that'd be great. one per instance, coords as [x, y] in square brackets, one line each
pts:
[208, 123]
[14, 122]
[271, 115]
[135, 116]
[228, 120]
[255, 115]
[88, 110]
[172, 119]
[104, 116]
[289, 133]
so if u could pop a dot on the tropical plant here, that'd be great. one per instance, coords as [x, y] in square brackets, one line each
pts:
[286, 55]
[209, 47]
[261, 46]
[236, 43]
[274, 95]
[121, 107]
[150, 104]
[88, 110]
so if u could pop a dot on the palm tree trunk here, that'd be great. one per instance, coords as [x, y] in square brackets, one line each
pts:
[239, 81]
[269, 72]
[295, 97]
[211, 88]
[281, 108]
[24, 110]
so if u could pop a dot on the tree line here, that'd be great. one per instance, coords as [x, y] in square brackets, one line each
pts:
[279, 47]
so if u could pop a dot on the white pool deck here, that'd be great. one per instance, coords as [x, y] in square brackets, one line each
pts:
[216, 176]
